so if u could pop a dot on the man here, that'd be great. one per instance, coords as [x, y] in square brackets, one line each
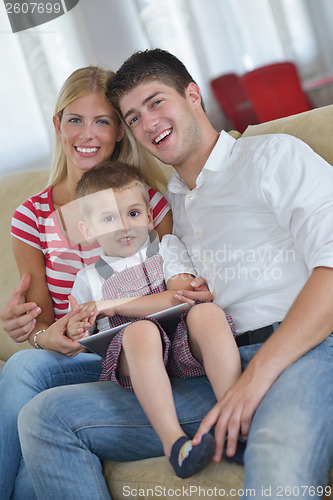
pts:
[256, 217]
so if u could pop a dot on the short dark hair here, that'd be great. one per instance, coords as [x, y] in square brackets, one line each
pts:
[110, 174]
[146, 65]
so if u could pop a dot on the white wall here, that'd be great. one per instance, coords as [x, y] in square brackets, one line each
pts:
[106, 33]
[113, 32]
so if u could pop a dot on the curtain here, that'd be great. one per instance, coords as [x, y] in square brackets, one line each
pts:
[211, 37]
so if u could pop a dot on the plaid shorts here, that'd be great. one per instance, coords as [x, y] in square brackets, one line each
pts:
[177, 357]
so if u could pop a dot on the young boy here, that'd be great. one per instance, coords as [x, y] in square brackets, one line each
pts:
[134, 277]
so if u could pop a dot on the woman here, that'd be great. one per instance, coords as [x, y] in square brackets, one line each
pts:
[18, 319]
[49, 255]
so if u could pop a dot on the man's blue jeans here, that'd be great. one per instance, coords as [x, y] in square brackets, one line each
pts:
[66, 430]
[290, 447]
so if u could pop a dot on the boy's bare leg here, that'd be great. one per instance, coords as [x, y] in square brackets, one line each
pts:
[142, 360]
[211, 341]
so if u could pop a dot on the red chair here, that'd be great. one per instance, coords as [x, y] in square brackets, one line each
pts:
[234, 101]
[275, 91]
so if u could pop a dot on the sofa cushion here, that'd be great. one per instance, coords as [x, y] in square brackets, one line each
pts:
[154, 477]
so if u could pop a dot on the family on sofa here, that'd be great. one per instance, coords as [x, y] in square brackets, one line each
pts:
[257, 209]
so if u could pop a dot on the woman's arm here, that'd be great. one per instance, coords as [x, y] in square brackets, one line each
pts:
[31, 260]
[162, 214]
[18, 317]
[165, 226]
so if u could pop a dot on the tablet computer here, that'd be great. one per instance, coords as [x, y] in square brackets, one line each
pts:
[168, 319]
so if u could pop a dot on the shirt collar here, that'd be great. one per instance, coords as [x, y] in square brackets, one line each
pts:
[221, 152]
[217, 159]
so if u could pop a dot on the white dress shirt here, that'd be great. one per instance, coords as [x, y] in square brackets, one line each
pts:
[259, 220]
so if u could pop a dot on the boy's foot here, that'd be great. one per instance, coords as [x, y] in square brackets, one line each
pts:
[187, 459]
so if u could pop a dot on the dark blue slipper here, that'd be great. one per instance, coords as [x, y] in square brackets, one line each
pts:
[187, 459]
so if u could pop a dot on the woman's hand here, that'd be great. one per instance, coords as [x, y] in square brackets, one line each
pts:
[18, 317]
[55, 339]
[200, 292]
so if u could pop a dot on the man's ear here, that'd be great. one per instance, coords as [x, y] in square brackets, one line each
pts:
[193, 93]
[56, 123]
[86, 232]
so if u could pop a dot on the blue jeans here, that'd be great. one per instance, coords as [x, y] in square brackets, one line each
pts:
[290, 446]
[65, 431]
[76, 426]
[26, 374]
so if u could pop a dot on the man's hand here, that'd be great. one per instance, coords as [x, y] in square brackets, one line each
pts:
[18, 317]
[200, 292]
[232, 415]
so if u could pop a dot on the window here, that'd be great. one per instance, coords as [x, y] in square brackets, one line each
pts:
[213, 37]
[34, 64]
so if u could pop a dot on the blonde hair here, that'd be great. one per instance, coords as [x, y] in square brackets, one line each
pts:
[84, 81]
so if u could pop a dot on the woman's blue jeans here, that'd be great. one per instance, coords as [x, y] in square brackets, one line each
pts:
[26, 374]
[65, 431]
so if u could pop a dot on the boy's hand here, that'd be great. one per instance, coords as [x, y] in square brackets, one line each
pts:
[105, 308]
[78, 324]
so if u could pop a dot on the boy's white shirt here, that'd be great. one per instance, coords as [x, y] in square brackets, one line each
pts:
[88, 282]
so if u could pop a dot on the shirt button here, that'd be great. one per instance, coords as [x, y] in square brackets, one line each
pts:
[190, 196]
[197, 233]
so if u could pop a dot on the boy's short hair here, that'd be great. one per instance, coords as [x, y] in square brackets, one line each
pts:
[147, 65]
[110, 174]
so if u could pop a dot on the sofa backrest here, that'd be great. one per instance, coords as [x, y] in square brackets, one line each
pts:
[314, 127]
[15, 188]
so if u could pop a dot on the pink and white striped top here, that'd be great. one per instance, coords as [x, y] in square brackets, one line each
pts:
[36, 223]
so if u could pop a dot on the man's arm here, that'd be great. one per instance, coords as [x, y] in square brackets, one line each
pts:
[308, 322]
